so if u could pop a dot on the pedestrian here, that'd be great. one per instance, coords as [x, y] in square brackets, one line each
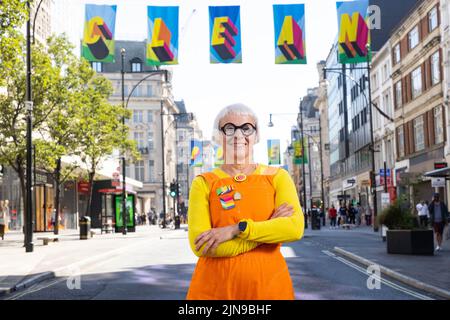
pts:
[358, 213]
[424, 214]
[239, 215]
[351, 214]
[342, 219]
[367, 215]
[3, 219]
[438, 218]
[332, 214]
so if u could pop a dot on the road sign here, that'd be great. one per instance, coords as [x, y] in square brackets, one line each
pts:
[388, 172]
[437, 182]
[385, 200]
[440, 165]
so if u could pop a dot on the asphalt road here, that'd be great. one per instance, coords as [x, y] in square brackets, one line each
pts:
[162, 269]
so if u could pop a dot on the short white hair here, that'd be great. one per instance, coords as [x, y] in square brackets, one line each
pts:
[237, 109]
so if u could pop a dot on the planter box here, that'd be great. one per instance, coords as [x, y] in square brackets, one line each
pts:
[420, 242]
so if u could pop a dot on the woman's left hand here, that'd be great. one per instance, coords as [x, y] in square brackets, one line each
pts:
[214, 237]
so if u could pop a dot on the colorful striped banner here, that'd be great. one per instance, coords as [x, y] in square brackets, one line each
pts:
[273, 152]
[354, 32]
[225, 34]
[98, 39]
[196, 153]
[162, 42]
[290, 44]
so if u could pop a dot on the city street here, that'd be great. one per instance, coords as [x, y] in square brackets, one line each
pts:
[161, 267]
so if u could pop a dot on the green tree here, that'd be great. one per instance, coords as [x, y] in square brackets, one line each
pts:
[12, 16]
[45, 77]
[58, 137]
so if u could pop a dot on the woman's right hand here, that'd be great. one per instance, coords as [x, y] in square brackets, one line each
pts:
[284, 210]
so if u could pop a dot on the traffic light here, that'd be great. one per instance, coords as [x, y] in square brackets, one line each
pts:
[178, 189]
[173, 190]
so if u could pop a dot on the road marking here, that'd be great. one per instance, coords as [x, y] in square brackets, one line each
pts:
[382, 280]
[40, 286]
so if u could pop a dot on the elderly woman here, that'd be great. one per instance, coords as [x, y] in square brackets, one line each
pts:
[239, 215]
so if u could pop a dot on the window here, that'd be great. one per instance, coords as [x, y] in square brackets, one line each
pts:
[438, 125]
[397, 55]
[139, 138]
[375, 81]
[398, 94]
[432, 19]
[149, 90]
[419, 141]
[149, 116]
[97, 66]
[137, 91]
[401, 142]
[385, 73]
[151, 170]
[413, 38]
[416, 82]
[139, 170]
[137, 116]
[150, 140]
[387, 103]
[435, 68]
[136, 67]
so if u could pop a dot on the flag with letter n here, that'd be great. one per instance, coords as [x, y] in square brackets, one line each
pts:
[354, 32]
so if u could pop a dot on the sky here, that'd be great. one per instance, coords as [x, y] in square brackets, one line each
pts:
[258, 82]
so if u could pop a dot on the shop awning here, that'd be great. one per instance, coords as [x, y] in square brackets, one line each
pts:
[438, 173]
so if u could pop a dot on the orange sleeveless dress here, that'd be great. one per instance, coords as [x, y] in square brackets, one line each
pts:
[260, 274]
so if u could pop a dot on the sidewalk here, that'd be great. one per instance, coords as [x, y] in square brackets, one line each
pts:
[19, 269]
[424, 272]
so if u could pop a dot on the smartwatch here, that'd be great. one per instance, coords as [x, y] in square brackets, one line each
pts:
[242, 226]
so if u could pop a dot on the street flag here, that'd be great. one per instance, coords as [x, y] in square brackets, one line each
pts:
[273, 151]
[98, 39]
[300, 153]
[196, 153]
[290, 45]
[218, 156]
[354, 32]
[225, 34]
[162, 40]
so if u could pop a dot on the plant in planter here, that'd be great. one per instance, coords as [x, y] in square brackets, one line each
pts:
[404, 236]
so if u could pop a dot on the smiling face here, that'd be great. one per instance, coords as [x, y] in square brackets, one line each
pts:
[238, 148]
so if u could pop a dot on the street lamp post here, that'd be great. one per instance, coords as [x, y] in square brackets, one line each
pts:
[29, 246]
[124, 194]
[310, 175]
[163, 166]
[372, 174]
[303, 162]
[153, 73]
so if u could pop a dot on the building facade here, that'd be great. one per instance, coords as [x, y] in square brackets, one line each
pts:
[417, 76]
[383, 124]
[311, 130]
[321, 104]
[152, 104]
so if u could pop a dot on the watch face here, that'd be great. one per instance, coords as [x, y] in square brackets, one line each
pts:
[242, 226]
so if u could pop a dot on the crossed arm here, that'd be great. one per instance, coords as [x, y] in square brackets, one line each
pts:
[285, 225]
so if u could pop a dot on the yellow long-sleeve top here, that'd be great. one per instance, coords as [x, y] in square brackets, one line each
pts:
[278, 230]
